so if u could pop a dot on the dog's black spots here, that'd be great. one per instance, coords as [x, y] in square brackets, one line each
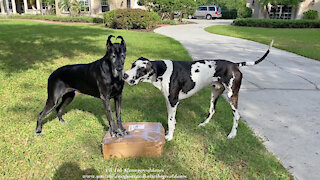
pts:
[160, 78]
[180, 80]
[233, 110]
[224, 70]
[159, 67]
[197, 70]
[151, 74]
[209, 66]
[201, 61]
[143, 58]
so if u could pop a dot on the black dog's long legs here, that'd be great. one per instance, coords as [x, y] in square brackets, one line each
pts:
[66, 99]
[117, 102]
[46, 110]
[112, 126]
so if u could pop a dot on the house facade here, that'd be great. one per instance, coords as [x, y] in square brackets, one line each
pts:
[88, 7]
[282, 11]
[98, 7]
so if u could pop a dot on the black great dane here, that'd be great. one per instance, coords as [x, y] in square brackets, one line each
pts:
[181, 79]
[101, 79]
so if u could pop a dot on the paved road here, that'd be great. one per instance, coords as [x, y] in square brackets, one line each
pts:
[279, 98]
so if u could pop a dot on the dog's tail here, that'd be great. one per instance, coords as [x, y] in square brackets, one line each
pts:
[257, 61]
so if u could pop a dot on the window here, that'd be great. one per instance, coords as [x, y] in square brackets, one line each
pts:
[128, 4]
[202, 8]
[104, 6]
[280, 12]
[84, 5]
[212, 9]
[44, 5]
[10, 4]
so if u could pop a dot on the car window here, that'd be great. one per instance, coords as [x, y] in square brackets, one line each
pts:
[212, 9]
[201, 8]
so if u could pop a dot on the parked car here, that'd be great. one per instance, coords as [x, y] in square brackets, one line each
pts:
[208, 12]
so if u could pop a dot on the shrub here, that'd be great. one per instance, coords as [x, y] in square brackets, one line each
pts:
[310, 14]
[244, 12]
[131, 19]
[169, 21]
[229, 14]
[58, 18]
[277, 23]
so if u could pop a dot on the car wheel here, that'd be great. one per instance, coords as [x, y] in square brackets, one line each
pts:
[208, 17]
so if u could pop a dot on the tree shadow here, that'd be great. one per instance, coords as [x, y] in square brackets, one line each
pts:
[71, 170]
[23, 46]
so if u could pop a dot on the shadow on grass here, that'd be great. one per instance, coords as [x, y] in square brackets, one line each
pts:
[71, 170]
[23, 46]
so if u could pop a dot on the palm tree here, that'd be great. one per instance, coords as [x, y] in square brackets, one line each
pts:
[65, 4]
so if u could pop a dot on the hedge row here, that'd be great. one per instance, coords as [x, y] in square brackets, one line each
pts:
[131, 19]
[86, 19]
[277, 23]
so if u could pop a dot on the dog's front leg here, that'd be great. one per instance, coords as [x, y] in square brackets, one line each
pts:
[112, 126]
[172, 109]
[117, 102]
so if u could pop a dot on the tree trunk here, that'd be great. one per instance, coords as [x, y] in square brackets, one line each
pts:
[7, 7]
[2, 7]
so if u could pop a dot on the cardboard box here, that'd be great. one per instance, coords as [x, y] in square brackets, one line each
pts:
[145, 139]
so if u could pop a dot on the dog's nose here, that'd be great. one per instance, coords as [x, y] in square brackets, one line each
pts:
[125, 76]
[132, 81]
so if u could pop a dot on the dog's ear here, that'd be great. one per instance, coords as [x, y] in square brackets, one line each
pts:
[122, 40]
[109, 43]
[123, 43]
[143, 58]
[149, 66]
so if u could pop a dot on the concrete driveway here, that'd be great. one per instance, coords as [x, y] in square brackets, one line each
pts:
[279, 98]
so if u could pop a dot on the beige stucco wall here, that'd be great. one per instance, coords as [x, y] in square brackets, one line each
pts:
[308, 5]
[95, 6]
[261, 12]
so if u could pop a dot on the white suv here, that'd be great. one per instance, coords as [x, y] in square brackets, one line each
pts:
[208, 12]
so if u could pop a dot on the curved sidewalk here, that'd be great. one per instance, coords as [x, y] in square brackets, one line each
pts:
[279, 98]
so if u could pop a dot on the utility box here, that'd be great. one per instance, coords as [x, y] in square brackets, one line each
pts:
[145, 139]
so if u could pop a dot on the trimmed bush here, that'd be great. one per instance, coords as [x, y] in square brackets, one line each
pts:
[229, 14]
[310, 14]
[86, 19]
[276, 23]
[131, 19]
[244, 12]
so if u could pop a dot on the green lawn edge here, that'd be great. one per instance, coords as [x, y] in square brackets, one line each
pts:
[304, 42]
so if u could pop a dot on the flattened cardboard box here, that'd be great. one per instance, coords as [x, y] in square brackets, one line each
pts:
[144, 139]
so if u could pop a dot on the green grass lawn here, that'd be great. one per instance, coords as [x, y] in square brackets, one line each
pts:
[305, 42]
[31, 51]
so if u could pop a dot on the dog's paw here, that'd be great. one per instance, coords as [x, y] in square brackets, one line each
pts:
[123, 132]
[62, 121]
[168, 137]
[38, 133]
[202, 124]
[114, 133]
[232, 135]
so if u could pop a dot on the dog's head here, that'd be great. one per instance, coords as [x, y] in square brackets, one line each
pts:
[141, 70]
[116, 54]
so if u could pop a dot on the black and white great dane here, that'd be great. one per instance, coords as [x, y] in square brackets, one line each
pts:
[102, 79]
[181, 79]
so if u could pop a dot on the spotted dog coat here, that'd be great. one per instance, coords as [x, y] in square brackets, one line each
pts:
[181, 79]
